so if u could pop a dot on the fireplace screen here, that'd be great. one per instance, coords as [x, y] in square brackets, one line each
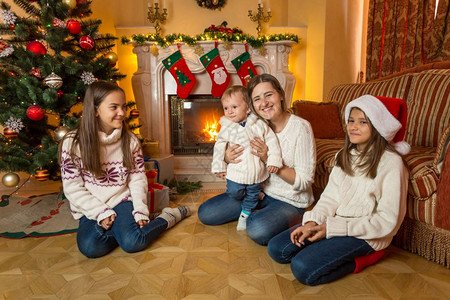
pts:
[195, 123]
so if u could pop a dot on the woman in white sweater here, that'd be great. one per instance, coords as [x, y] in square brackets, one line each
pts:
[103, 176]
[288, 191]
[363, 204]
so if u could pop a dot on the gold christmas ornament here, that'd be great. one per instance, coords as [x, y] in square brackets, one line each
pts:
[71, 3]
[53, 81]
[60, 132]
[112, 57]
[154, 50]
[10, 179]
[198, 50]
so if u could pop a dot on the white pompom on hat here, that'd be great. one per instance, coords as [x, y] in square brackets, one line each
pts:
[387, 115]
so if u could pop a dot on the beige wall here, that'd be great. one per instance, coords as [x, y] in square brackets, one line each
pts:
[330, 30]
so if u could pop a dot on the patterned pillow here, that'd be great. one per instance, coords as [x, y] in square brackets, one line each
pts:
[428, 108]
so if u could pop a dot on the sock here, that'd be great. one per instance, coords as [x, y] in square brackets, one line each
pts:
[367, 260]
[174, 215]
[242, 222]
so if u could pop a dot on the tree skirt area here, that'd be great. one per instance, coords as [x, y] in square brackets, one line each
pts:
[36, 216]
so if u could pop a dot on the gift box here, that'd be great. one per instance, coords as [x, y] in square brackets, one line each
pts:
[157, 197]
[150, 149]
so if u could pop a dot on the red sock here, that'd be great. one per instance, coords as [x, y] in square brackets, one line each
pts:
[367, 260]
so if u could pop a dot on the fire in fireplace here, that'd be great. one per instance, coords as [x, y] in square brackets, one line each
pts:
[194, 123]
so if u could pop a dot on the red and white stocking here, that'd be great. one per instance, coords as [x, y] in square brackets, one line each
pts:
[244, 67]
[217, 71]
[177, 66]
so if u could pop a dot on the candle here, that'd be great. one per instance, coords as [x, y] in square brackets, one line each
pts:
[259, 1]
[268, 10]
[156, 1]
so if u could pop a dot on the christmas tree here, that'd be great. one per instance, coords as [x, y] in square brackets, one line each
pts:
[47, 60]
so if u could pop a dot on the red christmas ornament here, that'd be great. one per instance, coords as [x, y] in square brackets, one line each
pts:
[82, 1]
[73, 26]
[134, 113]
[35, 113]
[60, 93]
[10, 134]
[36, 47]
[36, 72]
[42, 174]
[86, 42]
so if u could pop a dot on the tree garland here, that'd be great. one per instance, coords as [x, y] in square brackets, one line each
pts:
[208, 36]
[211, 4]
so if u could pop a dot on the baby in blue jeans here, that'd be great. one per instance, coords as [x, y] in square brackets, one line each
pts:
[238, 127]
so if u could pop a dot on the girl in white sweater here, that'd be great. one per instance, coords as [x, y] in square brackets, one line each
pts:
[103, 176]
[363, 204]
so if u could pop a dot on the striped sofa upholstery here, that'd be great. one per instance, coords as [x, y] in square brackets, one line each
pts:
[426, 89]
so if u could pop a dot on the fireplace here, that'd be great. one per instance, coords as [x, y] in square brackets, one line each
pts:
[194, 124]
[154, 88]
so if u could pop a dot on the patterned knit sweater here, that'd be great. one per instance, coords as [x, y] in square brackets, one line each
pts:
[251, 169]
[364, 208]
[95, 197]
[298, 151]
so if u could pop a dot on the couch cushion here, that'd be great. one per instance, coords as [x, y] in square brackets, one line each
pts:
[394, 88]
[323, 116]
[429, 109]
[423, 178]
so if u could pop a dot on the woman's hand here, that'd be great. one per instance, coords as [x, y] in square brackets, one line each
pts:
[142, 223]
[318, 232]
[106, 223]
[259, 148]
[232, 153]
[301, 233]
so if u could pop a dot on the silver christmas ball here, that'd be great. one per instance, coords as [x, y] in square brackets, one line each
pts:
[60, 132]
[53, 81]
[10, 179]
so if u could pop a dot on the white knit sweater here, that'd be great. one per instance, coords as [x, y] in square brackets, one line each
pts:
[298, 151]
[95, 197]
[251, 169]
[364, 208]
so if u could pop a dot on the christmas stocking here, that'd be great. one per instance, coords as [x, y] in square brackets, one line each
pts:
[216, 70]
[244, 66]
[177, 66]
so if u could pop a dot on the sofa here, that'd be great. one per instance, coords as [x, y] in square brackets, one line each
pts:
[426, 89]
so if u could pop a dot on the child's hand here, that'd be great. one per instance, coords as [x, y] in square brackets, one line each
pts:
[142, 223]
[106, 223]
[318, 232]
[272, 169]
[221, 175]
[301, 233]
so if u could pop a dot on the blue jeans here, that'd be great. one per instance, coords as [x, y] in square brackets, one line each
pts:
[247, 193]
[272, 216]
[319, 262]
[94, 241]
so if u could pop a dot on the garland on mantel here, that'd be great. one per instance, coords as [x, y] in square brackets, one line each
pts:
[208, 36]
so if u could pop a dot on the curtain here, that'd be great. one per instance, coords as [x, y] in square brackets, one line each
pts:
[398, 35]
[440, 38]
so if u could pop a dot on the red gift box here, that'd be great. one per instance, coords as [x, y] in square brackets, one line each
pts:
[157, 197]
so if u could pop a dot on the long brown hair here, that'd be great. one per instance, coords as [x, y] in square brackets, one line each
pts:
[369, 157]
[86, 137]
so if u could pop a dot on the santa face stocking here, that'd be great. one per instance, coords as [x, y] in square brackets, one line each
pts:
[245, 68]
[177, 66]
[216, 70]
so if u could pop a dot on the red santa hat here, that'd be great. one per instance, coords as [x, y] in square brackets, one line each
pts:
[387, 115]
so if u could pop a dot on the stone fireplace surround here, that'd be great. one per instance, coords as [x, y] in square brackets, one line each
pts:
[153, 84]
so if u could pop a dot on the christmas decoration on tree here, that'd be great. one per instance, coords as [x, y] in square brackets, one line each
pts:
[45, 70]
[217, 71]
[244, 67]
[10, 179]
[177, 66]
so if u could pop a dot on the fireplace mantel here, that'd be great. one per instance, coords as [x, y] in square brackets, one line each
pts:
[152, 83]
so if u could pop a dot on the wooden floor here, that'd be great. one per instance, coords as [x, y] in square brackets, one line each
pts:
[193, 261]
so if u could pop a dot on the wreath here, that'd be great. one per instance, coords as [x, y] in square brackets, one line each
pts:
[211, 4]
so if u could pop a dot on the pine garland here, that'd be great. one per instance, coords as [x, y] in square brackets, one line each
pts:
[255, 42]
